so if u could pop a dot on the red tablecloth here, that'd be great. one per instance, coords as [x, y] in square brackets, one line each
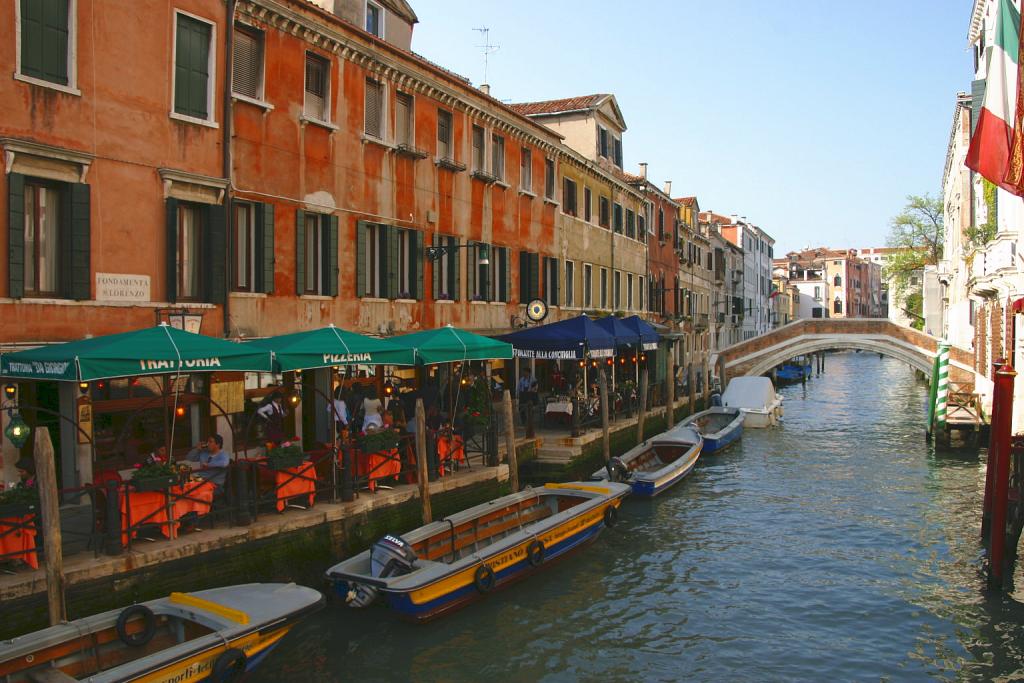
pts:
[450, 449]
[18, 540]
[380, 465]
[295, 481]
[194, 496]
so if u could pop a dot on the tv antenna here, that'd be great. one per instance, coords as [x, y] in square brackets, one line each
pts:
[486, 47]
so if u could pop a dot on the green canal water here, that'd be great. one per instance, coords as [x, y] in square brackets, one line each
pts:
[836, 547]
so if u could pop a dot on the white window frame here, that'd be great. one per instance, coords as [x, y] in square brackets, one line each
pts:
[382, 122]
[526, 179]
[603, 287]
[327, 89]
[641, 282]
[250, 229]
[498, 173]
[630, 281]
[72, 87]
[259, 99]
[383, 17]
[412, 117]
[484, 148]
[211, 82]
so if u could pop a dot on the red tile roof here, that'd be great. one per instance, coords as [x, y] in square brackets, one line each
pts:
[557, 106]
[685, 201]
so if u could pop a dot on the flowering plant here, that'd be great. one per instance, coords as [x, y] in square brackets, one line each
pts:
[286, 455]
[405, 295]
[377, 441]
[478, 297]
[444, 296]
[20, 495]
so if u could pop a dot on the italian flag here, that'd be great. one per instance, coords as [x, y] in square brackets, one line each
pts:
[989, 153]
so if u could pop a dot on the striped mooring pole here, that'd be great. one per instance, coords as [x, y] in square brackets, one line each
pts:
[942, 385]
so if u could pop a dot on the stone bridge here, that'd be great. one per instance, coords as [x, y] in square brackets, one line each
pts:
[759, 355]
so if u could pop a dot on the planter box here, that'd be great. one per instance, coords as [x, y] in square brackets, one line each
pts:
[153, 483]
[17, 509]
[286, 462]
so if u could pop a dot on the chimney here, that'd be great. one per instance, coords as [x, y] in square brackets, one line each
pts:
[485, 89]
[643, 170]
[668, 187]
[735, 219]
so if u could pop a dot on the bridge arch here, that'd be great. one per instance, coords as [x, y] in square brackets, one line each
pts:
[877, 335]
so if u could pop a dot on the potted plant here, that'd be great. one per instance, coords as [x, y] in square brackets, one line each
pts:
[19, 501]
[285, 456]
[155, 476]
[381, 440]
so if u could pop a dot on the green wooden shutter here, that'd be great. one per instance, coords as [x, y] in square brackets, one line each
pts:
[524, 276]
[506, 265]
[172, 250]
[216, 252]
[191, 67]
[435, 269]
[44, 40]
[16, 235]
[534, 277]
[977, 99]
[391, 267]
[454, 264]
[556, 273]
[471, 272]
[265, 246]
[80, 267]
[416, 265]
[362, 230]
[300, 251]
[331, 261]
[485, 274]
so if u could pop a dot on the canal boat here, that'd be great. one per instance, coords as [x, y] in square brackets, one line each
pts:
[447, 564]
[216, 634]
[658, 463]
[718, 426]
[756, 397]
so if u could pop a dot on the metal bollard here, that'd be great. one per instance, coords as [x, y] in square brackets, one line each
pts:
[348, 493]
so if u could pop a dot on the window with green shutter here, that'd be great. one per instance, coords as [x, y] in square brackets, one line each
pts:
[192, 67]
[45, 40]
[49, 241]
[445, 270]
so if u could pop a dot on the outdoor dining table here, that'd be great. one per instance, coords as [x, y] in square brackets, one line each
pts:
[18, 540]
[164, 508]
[450, 449]
[379, 465]
[294, 482]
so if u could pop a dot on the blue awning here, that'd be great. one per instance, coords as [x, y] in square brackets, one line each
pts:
[648, 335]
[624, 335]
[571, 339]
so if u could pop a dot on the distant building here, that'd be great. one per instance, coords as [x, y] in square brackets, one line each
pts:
[758, 250]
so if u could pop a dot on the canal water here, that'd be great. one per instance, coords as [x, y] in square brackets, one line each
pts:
[836, 547]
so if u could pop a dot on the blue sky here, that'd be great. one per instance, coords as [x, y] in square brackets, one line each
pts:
[812, 119]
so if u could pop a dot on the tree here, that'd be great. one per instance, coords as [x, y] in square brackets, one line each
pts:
[917, 234]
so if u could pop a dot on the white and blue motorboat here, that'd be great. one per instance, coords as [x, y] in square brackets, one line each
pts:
[656, 464]
[718, 426]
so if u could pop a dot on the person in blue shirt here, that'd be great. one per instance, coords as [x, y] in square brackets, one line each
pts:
[213, 458]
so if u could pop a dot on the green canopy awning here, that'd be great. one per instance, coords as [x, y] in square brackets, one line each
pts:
[329, 346]
[156, 350]
[449, 344]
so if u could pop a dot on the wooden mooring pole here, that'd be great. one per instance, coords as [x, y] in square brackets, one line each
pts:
[670, 388]
[990, 468]
[643, 406]
[510, 441]
[49, 504]
[602, 387]
[421, 461]
[1003, 393]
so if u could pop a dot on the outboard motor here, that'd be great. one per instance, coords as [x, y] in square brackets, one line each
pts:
[617, 470]
[716, 399]
[390, 556]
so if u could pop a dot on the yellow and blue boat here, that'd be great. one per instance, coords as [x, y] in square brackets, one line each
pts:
[216, 634]
[449, 563]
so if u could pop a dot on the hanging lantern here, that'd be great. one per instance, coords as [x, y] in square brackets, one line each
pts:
[10, 391]
[583, 363]
[83, 387]
[180, 411]
[17, 431]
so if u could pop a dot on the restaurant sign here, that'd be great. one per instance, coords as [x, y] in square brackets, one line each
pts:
[122, 287]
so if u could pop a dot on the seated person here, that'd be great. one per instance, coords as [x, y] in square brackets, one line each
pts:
[214, 460]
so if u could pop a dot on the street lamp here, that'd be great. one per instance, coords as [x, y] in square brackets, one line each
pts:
[17, 431]
[435, 253]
